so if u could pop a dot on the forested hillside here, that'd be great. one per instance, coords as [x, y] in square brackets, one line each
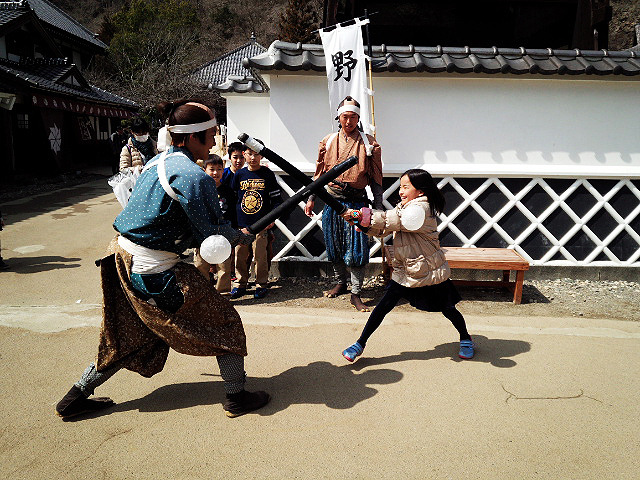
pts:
[229, 23]
[626, 14]
[153, 43]
[222, 24]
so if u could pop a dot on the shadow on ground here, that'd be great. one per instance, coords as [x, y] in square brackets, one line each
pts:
[495, 351]
[319, 383]
[41, 264]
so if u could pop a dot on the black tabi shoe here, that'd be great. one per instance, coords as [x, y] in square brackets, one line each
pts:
[237, 404]
[74, 403]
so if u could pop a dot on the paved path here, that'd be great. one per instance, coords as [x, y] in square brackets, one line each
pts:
[544, 397]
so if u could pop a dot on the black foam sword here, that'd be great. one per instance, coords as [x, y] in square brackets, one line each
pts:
[293, 171]
[310, 186]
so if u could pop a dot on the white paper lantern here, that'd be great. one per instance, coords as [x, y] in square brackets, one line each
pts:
[215, 249]
[412, 217]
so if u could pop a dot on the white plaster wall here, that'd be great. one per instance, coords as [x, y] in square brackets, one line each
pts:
[511, 126]
[468, 126]
[300, 117]
[248, 114]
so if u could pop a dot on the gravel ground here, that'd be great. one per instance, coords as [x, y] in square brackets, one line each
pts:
[619, 300]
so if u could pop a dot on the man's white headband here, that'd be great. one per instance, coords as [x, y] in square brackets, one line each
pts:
[349, 108]
[193, 127]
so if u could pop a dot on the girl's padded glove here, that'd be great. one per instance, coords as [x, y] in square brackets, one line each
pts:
[365, 216]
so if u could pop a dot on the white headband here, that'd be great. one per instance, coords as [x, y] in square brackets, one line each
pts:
[193, 127]
[349, 108]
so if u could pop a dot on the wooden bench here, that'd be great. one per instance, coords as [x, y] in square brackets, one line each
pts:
[503, 259]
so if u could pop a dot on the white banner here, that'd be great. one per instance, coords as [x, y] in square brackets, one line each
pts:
[346, 69]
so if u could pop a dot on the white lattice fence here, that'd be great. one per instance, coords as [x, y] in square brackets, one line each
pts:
[549, 231]
[557, 244]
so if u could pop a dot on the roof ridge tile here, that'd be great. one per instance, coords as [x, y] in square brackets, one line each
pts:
[489, 60]
[45, 61]
[14, 5]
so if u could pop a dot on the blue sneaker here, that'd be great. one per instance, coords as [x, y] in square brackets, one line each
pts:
[238, 292]
[466, 349]
[350, 353]
[261, 292]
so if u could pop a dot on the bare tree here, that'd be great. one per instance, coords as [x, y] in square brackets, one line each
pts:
[299, 22]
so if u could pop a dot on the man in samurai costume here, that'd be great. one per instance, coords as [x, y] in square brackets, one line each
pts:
[347, 248]
[151, 300]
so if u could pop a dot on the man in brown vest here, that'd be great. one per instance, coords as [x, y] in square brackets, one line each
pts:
[346, 247]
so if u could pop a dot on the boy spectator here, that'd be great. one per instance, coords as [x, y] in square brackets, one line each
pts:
[258, 193]
[236, 160]
[214, 166]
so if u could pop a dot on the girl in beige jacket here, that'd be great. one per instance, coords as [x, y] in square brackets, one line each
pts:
[420, 270]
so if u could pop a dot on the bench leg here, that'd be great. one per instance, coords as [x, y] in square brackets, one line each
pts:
[517, 293]
[505, 275]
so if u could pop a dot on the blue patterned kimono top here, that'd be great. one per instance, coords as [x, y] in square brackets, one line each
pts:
[154, 220]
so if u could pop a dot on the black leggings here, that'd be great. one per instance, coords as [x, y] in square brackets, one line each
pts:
[390, 299]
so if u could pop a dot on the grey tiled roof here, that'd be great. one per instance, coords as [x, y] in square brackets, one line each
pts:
[296, 57]
[241, 85]
[44, 75]
[51, 16]
[11, 10]
[227, 74]
[50, 68]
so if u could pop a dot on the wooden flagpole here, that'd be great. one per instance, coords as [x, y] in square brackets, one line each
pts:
[369, 64]
[373, 119]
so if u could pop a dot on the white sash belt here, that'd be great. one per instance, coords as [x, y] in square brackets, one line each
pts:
[146, 260]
